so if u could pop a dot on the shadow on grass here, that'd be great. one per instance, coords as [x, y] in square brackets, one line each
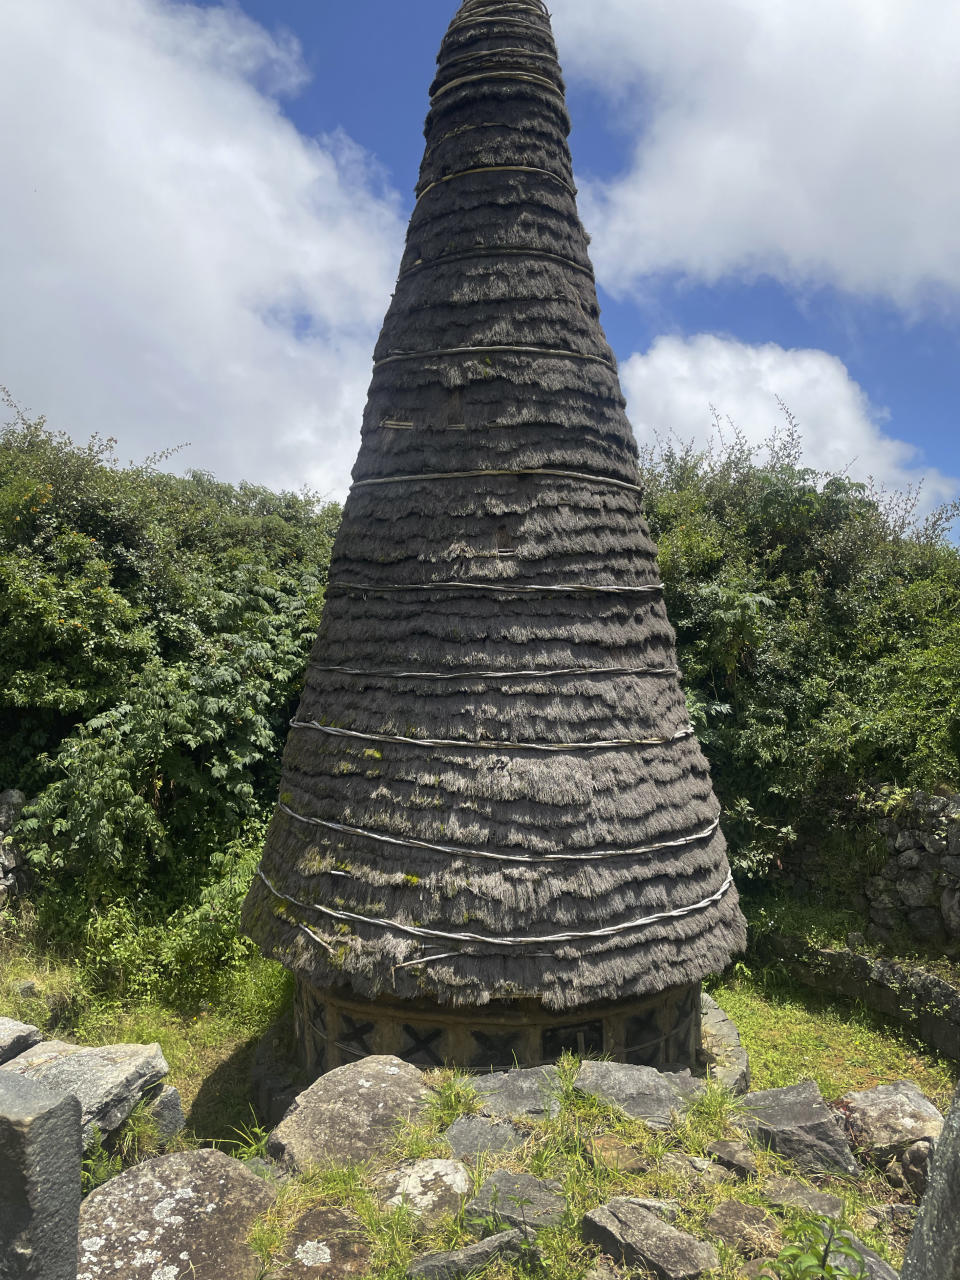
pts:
[223, 1104]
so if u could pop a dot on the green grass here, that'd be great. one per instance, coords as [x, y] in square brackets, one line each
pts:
[790, 1033]
[793, 1034]
[208, 1048]
[559, 1149]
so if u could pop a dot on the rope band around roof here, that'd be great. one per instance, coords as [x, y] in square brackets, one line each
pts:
[536, 6]
[508, 588]
[527, 77]
[513, 22]
[470, 128]
[534, 673]
[462, 744]
[493, 53]
[487, 6]
[497, 252]
[584, 476]
[508, 940]
[552, 352]
[494, 855]
[497, 168]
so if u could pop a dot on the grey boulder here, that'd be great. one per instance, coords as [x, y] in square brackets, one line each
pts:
[350, 1114]
[329, 1243]
[16, 1038]
[934, 1249]
[668, 1210]
[886, 1120]
[181, 1215]
[875, 1267]
[700, 1174]
[785, 1193]
[507, 1245]
[721, 1040]
[166, 1111]
[735, 1156]
[471, 1135]
[797, 1124]
[915, 1165]
[641, 1240]
[643, 1093]
[743, 1227]
[40, 1157]
[428, 1188]
[517, 1200]
[533, 1093]
[108, 1082]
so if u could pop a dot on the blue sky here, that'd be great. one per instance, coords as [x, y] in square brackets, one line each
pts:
[210, 202]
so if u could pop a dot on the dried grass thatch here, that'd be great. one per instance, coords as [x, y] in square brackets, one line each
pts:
[491, 777]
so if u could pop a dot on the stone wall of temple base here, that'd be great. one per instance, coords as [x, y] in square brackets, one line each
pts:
[334, 1028]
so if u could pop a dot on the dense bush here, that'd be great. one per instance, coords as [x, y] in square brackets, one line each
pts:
[155, 631]
[818, 626]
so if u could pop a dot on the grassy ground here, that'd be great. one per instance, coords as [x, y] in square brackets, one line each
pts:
[562, 1150]
[208, 1047]
[792, 1034]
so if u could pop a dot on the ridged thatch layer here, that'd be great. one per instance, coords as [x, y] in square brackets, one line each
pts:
[473, 621]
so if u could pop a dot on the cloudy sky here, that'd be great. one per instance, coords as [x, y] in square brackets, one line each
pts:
[204, 207]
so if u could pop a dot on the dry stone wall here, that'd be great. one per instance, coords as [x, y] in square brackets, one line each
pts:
[917, 890]
[925, 1004]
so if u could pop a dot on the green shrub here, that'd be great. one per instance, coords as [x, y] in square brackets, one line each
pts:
[156, 630]
[818, 627]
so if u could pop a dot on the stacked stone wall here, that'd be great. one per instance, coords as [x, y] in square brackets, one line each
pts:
[917, 890]
[910, 889]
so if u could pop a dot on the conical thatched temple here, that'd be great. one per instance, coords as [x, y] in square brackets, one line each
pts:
[497, 837]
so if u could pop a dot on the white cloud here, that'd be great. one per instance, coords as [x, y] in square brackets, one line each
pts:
[814, 142]
[671, 388]
[178, 262]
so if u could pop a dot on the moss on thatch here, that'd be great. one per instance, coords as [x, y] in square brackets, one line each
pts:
[400, 862]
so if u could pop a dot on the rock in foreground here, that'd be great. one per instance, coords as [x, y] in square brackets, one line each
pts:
[107, 1082]
[16, 1038]
[888, 1119]
[642, 1092]
[641, 1240]
[181, 1215]
[508, 1245]
[326, 1243]
[350, 1114]
[517, 1200]
[786, 1193]
[532, 1093]
[796, 1123]
[428, 1188]
[40, 1156]
[471, 1135]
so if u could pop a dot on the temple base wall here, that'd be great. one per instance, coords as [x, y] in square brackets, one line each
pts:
[333, 1028]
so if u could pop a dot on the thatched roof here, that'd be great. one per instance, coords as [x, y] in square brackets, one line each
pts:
[491, 783]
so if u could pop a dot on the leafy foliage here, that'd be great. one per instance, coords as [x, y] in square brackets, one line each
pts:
[818, 626]
[822, 1254]
[156, 629]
